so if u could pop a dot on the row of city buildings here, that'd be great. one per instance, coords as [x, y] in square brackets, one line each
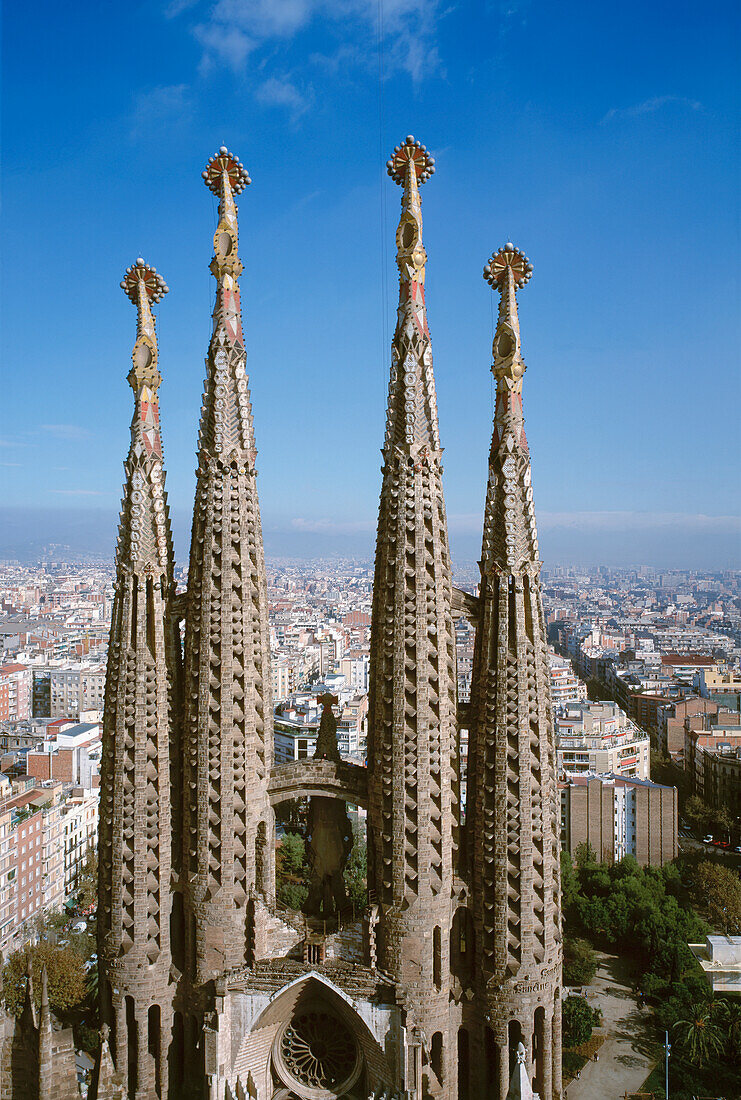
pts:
[659, 687]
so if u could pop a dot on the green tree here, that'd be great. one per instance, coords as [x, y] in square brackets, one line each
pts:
[87, 881]
[292, 854]
[569, 881]
[698, 1035]
[586, 857]
[579, 961]
[356, 872]
[578, 1020]
[697, 813]
[291, 871]
[721, 821]
[730, 1017]
[65, 976]
[717, 892]
[292, 895]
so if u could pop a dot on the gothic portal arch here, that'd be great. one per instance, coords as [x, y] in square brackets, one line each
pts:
[310, 1042]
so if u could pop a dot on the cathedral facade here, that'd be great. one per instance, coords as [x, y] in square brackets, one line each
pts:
[448, 986]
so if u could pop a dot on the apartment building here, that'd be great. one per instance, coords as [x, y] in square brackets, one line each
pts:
[599, 738]
[79, 827]
[620, 817]
[566, 687]
[15, 692]
[709, 740]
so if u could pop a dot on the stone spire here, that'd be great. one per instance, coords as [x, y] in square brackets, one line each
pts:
[511, 807]
[140, 731]
[227, 819]
[106, 1084]
[329, 829]
[326, 740]
[412, 725]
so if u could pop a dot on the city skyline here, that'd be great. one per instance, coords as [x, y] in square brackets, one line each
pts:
[639, 168]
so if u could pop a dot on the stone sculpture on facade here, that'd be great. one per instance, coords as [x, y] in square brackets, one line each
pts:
[211, 991]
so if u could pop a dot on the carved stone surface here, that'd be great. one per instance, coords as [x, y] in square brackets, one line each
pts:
[228, 735]
[210, 988]
[512, 823]
[412, 778]
[140, 729]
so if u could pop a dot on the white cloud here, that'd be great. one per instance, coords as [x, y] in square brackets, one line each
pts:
[282, 92]
[11, 463]
[332, 527]
[65, 431]
[229, 45]
[472, 523]
[166, 103]
[650, 106]
[236, 28]
[640, 521]
[177, 7]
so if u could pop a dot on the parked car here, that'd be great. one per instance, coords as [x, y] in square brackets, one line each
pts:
[707, 839]
[79, 927]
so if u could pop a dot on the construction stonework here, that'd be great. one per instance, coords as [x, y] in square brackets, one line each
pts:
[448, 986]
[140, 737]
[512, 809]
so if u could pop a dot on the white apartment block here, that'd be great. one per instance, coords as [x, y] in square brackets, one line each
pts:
[74, 690]
[600, 738]
[80, 832]
[566, 687]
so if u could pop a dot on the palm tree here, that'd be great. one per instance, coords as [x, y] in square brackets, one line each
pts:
[699, 1035]
[730, 1015]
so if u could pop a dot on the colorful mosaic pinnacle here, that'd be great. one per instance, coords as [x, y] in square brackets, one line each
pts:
[452, 980]
[410, 152]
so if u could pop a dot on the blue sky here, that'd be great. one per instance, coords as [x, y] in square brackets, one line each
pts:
[600, 138]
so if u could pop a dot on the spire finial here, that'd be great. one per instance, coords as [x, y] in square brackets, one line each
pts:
[412, 411]
[508, 270]
[143, 286]
[510, 257]
[226, 176]
[410, 152]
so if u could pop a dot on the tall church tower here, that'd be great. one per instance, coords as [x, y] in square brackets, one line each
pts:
[511, 820]
[412, 808]
[139, 735]
[228, 735]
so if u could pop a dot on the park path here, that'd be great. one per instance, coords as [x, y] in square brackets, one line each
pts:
[627, 1055]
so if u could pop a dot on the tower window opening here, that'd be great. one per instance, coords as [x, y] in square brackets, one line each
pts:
[437, 967]
[150, 617]
[132, 1036]
[436, 1055]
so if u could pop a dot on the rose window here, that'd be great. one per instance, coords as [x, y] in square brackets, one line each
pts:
[320, 1053]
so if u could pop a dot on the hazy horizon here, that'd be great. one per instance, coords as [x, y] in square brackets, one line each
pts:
[621, 540]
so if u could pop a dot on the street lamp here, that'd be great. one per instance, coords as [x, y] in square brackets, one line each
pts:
[667, 1049]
